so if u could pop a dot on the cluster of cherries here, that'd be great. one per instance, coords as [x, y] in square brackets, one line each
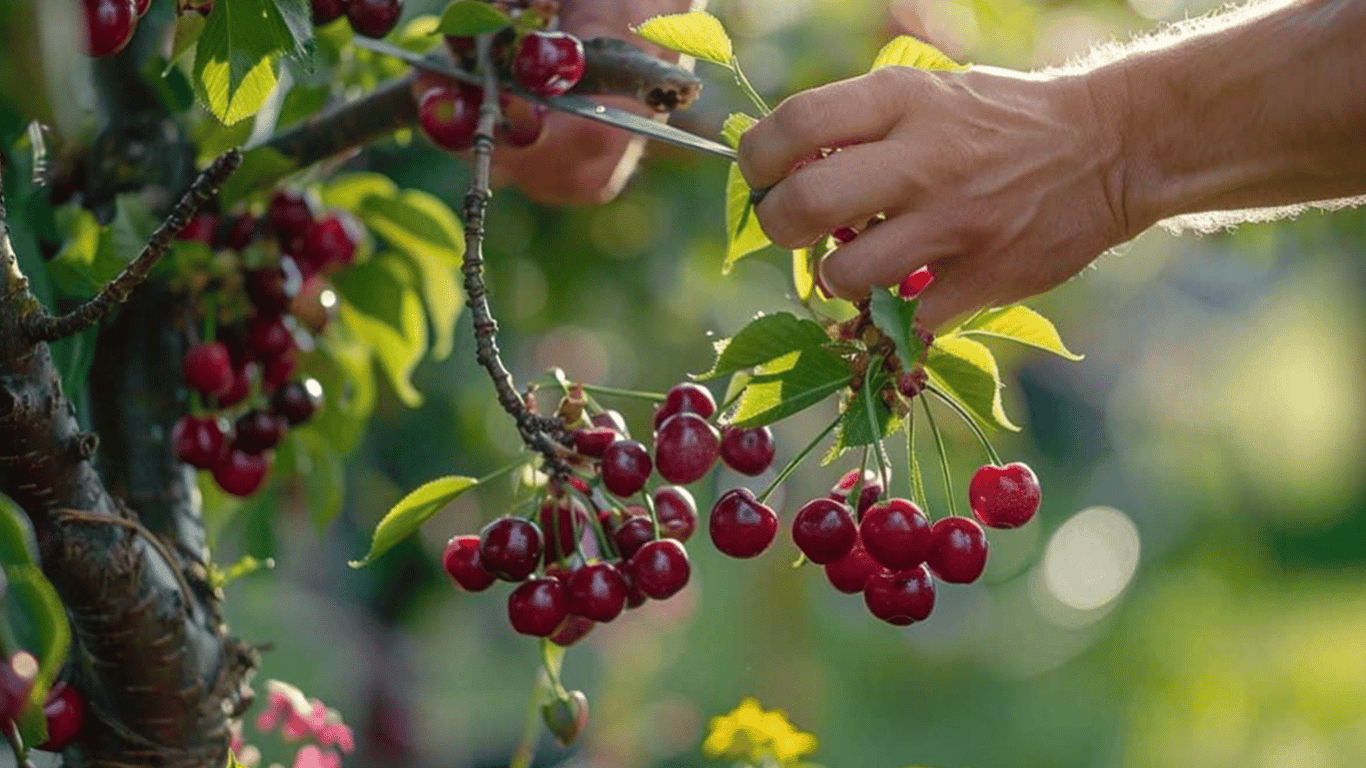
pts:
[64, 708]
[637, 550]
[250, 368]
[109, 24]
[372, 18]
[540, 62]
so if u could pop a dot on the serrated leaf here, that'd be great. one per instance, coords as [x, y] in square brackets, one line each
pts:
[1018, 323]
[966, 371]
[237, 56]
[803, 273]
[35, 613]
[736, 123]
[743, 234]
[907, 51]
[293, 20]
[467, 18]
[895, 317]
[765, 338]
[382, 309]
[789, 384]
[698, 34]
[412, 511]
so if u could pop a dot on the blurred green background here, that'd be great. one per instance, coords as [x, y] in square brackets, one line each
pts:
[1192, 594]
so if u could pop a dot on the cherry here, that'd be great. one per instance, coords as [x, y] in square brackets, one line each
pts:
[660, 568]
[911, 383]
[109, 26]
[328, 245]
[315, 305]
[844, 235]
[740, 526]
[16, 683]
[290, 215]
[824, 530]
[593, 441]
[538, 607]
[200, 228]
[625, 467]
[522, 121]
[632, 535]
[900, 597]
[611, 420]
[558, 520]
[896, 534]
[272, 288]
[374, 18]
[241, 473]
[207, 368]
[462, 564]
[849, 573]
[141, 7]
[1005, 497]
[596, 592]
[267, 337]
[747, 451]
[677, 512]
[686, 447]
[298, 400]
[958, 550]
[449, 114]
[574, 629]
[914, 283]
[634, 597]
[548, 63]
[277, 370]
[239, 233]
[868, 492]
[64, 711]
[328, 11]
[509, 548]
[199, 442]
[258, 430]
[239, 389]
[689, 397]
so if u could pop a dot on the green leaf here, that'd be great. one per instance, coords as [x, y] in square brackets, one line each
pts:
[907, 51]
[743, 234]
[86, 260]
[789, 384]
[293, 20]
[467, 18]
[698, 34]
[189, 27]
[856, 428]
[736, 123]
[260, 167]
[343, 366]
[1017, 323]
[38, 619]
[350, 191]
[412, 511]
[315, 461]
[765, 338]
[382, 309]
[237, 55]
[967, 372]
[895, 317]
[18, 545]
[803, 273]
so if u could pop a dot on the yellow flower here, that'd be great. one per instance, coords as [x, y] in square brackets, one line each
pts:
[750, 732]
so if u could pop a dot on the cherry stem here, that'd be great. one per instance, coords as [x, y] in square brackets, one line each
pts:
[653, 397]
[16, 743]
[654, 516]
[876, 445]
[531, 726]
[971, 422]
[917, 480]
[943, 457]
[747, 88]
[796, 461]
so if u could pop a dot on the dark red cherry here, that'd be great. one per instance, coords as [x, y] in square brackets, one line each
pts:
[900, 597]
[141, 7]
[896, 533]
[593, 441]
[824, 530]
[462, 564]
[374, 18]
[238, 233]
[548, 63]
[509, 548]
[329, 244]
[574, 629]
[677, 512]
[290, 215]
[561, 520]
[686, 447]
[207, 368]
[634, 597]
[597, 592]
[64, 711]
[258, 430]
[1005, 497]
[201, 228]
[267, 337]
[297, 401]
[849, 573]
[914, 283]
[958, 550]
[611, 420]
[693, 398]
[240, 473]
[631, 535]
[626, 466]
[272, 288]
[538, 607]
[109, 26]
[740, 526]
[449, 114]
[328, 11]
[868, 492]
[277, 370]
[199, 441]
[660, 568]
[747, 451]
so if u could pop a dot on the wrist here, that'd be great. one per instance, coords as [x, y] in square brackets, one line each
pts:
[1132, 178]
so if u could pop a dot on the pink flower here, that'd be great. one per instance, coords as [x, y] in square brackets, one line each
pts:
[338, 734]
[312, 757]
[299, 724]
[276, 702]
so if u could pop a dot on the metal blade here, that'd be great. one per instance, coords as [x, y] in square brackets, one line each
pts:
[575, 105]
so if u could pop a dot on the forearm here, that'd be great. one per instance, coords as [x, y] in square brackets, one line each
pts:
[1267, 113]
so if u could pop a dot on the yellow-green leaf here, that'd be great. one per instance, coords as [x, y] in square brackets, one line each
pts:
[381, 307]
[906, 51]
[803, 273]
[412, 511]
[736, 123]
[1018, 323]
[966, 371]
[467, 18]
[698, 34]
[743, 234]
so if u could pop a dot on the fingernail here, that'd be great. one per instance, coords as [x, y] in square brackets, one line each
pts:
[914, 283]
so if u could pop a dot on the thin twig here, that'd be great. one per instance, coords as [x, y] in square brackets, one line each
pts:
[48, 328]
[16, 743]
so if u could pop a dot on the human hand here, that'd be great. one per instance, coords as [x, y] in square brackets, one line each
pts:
[1005, 186]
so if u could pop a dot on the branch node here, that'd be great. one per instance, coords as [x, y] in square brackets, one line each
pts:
[83, 445]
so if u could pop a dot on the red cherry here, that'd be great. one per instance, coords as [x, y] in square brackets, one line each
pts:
[277, 370]
[238, 390]
[328, 244]
[634, 597]
[689, 397]
[109, 26]
[201, 228]
[462, 564]
[823, 529]
[298, 400]
[869, 492]
[538, 607]
[740, 526]
[207, 368]
[849, 573]
[290, 215]
[548, 63]
[449, 114]
[64, 711]
[509, 548]
[240, 231]
[632, 535]
[958, 550]
[844, 235]
[597, 592]
[141, 7]
[240, 473]
[267, 337]
[914, 283]
[660, 568]
[747, 451]
[523, 121]
[686, 447]
[374, 18]
[574, 629]
[677, 512]
[561, 519]
[611, 420]
[1005, 497]
[258, 430]
[16, 683]
[199, 442]
[625, 467]
[900, 597]
[272, 288]
[593, 441]
[896, 534]
[328, 11]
